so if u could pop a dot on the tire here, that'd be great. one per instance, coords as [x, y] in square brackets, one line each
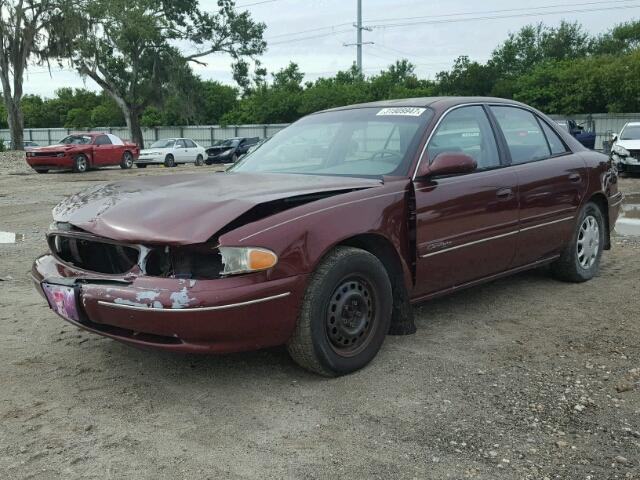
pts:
[127, 161]
[199, 161]
[141, 165]
[41, 170]
[580, 260]
[80, 164]
[169, 161]
[234, 158]
[345, 314]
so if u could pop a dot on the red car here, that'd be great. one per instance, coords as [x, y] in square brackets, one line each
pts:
[324, 238]
[82, 151]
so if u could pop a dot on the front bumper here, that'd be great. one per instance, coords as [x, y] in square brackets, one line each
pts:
[626, 164]
[197, 316]
[50, 162]
[150, 160]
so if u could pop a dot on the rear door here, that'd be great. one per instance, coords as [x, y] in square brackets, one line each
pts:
[466, 224]
[551, 182]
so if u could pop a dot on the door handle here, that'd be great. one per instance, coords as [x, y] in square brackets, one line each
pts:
[575, 178]
[504, 193]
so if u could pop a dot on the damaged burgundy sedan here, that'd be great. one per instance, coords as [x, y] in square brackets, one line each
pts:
[324, 238]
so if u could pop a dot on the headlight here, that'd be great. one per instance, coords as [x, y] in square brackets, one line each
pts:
[246, 259]
[620, 150]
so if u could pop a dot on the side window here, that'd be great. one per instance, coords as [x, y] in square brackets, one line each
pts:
[189, 143]
[523, 134]
[466, 130]
[557, 146]
[180, 144]
[103, 140]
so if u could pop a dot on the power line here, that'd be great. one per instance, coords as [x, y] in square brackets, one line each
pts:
[487, 12]
[256, 3]
[498, 17]
[528, 12]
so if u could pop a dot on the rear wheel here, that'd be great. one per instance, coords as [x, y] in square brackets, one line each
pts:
[80, 164]
[199, 161]
[345, 314]
[127, 161]
[581, 259]
[169, 161]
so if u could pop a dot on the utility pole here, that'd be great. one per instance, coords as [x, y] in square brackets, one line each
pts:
[359, 43]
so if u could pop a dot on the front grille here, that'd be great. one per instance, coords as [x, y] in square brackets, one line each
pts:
[45, 154]
[93, 255]
[635, 154]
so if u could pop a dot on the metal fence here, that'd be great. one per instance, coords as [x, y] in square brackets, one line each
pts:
[204, 135]
[604, 124]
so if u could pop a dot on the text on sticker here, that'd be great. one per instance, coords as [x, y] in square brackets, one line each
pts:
[405, 111]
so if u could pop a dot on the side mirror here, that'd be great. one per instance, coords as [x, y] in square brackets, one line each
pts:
[447, 163]
[614, 137]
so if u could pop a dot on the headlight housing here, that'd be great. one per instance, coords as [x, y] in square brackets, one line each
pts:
[237, 260]
[620, 150]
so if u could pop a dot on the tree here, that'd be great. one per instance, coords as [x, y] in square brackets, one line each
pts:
[131, 52]
[29, 30]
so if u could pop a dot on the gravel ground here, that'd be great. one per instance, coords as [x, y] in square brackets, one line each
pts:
[523, 378]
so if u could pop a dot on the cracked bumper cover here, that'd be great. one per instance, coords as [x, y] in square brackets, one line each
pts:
[198, 316]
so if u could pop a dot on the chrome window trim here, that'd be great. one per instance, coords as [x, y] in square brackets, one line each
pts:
[194, 309]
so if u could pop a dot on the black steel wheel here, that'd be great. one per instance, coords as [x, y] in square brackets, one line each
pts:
[169, 161]
[345, 314]
[350, 315]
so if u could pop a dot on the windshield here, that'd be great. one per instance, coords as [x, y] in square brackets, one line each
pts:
[630, 132]
[361, 142]
[163, 144]
[75, 140]
[232, 142]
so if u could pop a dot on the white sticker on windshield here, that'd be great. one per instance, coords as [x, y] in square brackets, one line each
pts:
[403, 111]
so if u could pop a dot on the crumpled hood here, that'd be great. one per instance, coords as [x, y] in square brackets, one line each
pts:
[185, 209]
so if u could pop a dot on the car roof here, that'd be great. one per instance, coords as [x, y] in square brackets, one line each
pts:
[437, 103]
[632, 124]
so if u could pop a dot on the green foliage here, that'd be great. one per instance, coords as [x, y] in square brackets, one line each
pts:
[151, 117]
[131, 51]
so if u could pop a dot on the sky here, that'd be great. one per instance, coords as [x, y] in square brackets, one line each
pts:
[429, 33]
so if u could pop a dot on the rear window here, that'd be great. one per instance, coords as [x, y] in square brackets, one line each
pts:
[523, 134]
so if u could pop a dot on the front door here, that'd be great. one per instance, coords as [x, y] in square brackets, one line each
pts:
[551, 183]
[102, 151]
[467, 224]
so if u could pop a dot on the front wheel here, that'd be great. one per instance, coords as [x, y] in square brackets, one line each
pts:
[345, 314]
[169, 161]
[580, 260]
[127, 161]
[80, 164]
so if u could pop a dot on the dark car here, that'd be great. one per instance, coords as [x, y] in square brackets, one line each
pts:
[230, 150]
[326, 249]
[82, 151]
[577, 131]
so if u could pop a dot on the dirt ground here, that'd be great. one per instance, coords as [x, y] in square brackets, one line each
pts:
[523, 378]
